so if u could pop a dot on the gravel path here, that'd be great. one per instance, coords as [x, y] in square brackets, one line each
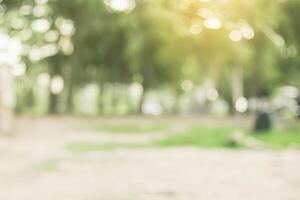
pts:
[35, 165]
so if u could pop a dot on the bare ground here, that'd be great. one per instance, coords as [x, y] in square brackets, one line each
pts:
[35, 165]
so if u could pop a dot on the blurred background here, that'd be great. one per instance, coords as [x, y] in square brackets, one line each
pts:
[126, 57]
[83, 76]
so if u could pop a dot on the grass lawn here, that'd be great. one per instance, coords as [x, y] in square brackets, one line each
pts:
[196, 136]
[220, 136]
[207, 137]
[132, 128]
[47, 165]
[283, 138]
[92, 147]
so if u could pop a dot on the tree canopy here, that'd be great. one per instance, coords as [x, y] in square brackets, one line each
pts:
[156, 43]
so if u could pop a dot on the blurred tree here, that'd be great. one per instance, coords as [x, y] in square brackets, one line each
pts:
[246, 47]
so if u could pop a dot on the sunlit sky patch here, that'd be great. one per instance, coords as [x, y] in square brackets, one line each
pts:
[121, 5]
[212, 23]
[57, 84]
[196, 27]
[235, 35]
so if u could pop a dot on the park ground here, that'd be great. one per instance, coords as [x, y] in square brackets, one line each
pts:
[186, 158]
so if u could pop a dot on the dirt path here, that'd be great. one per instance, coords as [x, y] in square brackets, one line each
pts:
[35, 165]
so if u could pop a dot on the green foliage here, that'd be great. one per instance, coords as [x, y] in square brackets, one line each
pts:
[154, 42]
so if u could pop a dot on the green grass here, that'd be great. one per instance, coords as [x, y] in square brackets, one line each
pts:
[132, 129]
[220, 137]
[197, 136]
[207, 137]
[47, 165]
[85, 147]
[283, 138]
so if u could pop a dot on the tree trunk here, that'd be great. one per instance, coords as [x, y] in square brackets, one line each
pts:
[69, 90]
[100, 99]
[53, 104]
[53, 100]
[141, 103]
[175, 109]
[237, 86]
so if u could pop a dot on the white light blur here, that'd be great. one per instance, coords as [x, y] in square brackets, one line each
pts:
[57, 84]
[8, 97]
[291, 51]
[65, 26]
[205, 13]
[18, 23]
[40, 25]
[39, 11]
[19, 69]
[25, 34]
[4, 40]
[235, 35]
[38, 53]
[121, 5]
[213, 23]
[212, 94]
[220, 107]
[247, 31]
[200, 95]
[136, 90]
[152, 108]
[195, 28]
[289, 91]
[88, 99]
[66, 46]
[241, 104]
[41, 2]
[51, 36]
[10, 49]
[48, 50]
[277, 39]
[187, 85]
[183, 4]
[15, 46]
[34, 54]
[43, 80]
[25, 10]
